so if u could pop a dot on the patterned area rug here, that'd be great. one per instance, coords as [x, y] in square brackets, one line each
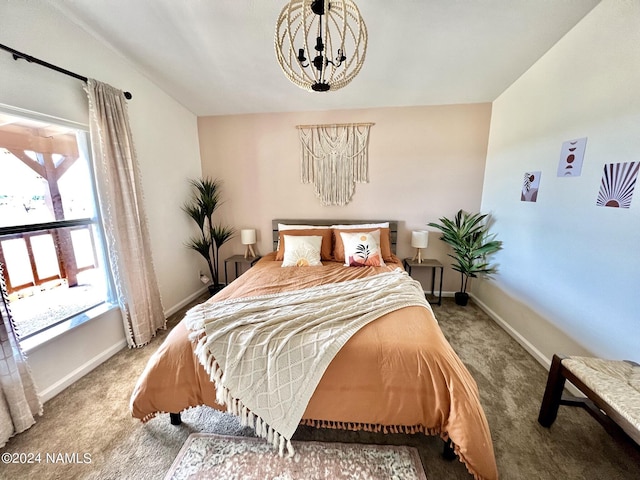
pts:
[211, 456]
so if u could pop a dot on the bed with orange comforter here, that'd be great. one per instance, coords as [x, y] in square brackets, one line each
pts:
[396, 374]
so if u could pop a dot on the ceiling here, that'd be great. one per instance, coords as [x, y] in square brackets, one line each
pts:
[216, 57]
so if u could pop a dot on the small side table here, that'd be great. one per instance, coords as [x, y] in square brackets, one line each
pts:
[409, 264]
[238, 260]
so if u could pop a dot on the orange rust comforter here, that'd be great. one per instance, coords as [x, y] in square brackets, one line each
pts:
[397, 374]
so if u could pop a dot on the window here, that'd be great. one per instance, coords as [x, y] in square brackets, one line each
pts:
[50, 237]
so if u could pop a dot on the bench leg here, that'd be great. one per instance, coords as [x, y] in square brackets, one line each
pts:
[176, 419]
[552, 393]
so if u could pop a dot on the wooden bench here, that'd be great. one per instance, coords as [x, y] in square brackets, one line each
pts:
[612, 389]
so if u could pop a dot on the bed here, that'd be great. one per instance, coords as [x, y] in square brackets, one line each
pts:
[396, 373]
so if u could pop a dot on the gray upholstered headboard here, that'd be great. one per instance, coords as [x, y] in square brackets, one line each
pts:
[393, 227]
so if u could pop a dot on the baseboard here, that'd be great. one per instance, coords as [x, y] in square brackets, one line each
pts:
[444, 294]
[526, 344]
[185, 302]
[51, 391]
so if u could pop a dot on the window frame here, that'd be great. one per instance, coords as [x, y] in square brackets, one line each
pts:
[87, 314]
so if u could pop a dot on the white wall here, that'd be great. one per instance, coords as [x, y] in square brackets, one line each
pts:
[166, 141]
[570, 270]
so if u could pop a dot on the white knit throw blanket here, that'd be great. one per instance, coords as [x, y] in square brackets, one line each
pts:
[266, 354]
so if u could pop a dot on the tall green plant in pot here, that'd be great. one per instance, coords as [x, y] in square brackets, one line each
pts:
[468, 235]
[204, 201]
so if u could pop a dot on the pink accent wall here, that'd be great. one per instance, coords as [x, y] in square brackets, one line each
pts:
[424, 162]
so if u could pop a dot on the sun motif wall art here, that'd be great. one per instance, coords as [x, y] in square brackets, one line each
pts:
[617, 185]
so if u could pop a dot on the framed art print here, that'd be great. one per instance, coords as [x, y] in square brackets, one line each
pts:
[618, 184]
[530, 187]
[571, 157]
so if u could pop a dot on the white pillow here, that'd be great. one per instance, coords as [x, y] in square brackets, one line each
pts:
[284, 226]
[362, 249]
[361, 225]
[301, 251]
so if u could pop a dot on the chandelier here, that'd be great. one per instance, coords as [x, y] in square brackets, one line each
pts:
[320, 44]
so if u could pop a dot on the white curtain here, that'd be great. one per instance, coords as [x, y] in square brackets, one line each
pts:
[19, 401]
[122, 206]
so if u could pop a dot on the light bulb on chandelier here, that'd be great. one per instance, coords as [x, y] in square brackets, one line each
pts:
[320, 44]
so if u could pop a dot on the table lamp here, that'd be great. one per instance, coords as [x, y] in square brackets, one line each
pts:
[419, 240]
[248, 238]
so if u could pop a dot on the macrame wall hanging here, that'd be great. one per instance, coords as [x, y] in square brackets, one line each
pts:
[334, 158]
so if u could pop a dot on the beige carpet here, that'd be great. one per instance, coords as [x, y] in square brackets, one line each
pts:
[210, 456]
[92, 417]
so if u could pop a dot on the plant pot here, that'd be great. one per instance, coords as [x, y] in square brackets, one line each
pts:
[462, 298]
[213, 289]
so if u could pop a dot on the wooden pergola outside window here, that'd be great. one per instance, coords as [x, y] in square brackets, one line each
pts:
[48, 222]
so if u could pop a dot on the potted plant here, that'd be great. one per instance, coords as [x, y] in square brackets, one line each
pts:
[204, 202]
[468, 235]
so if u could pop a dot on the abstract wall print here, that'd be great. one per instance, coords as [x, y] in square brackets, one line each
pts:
[571, 157]
[334, 158]
[617, 185]
[530, 187]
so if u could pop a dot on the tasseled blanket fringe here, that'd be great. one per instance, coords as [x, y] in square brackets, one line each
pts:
[371, 427]
[235, 406]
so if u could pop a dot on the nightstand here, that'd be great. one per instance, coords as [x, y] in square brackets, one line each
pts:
[410, 264]
[238, 260]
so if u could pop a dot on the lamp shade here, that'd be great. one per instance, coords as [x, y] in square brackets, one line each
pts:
[248, 236]
[420, 239]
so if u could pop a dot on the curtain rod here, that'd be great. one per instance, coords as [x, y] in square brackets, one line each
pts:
[336, 125]
[30, 59]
